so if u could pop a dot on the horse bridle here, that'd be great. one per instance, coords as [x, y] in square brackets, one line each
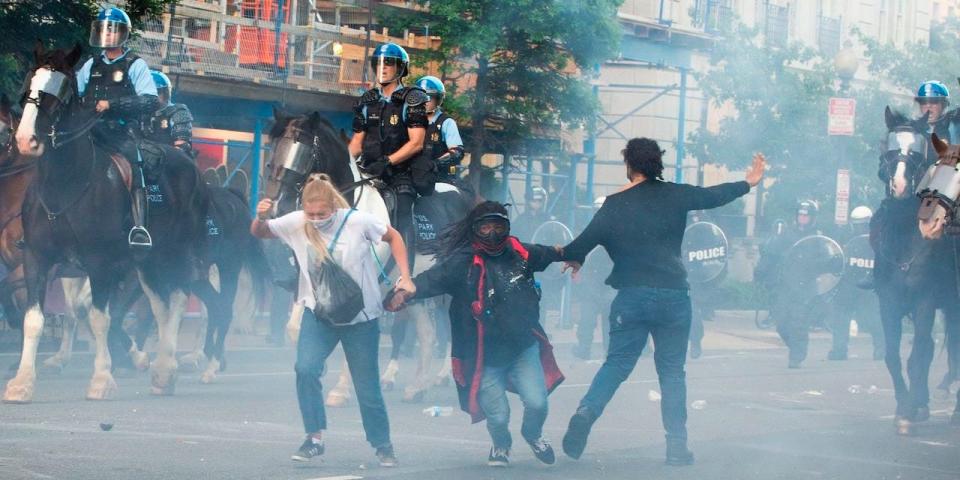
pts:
[49, 81]
[294, 157]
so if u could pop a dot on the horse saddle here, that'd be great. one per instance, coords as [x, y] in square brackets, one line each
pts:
[434, 212]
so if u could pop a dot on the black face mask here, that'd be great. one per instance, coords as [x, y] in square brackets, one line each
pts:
[495, 240]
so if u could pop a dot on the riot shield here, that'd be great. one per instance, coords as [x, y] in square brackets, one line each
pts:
[552, 233]
[704, 252]
[858, 259]
[811, 267]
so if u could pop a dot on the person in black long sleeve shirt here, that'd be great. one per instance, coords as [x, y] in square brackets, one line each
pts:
[641, 227]
[497, 341]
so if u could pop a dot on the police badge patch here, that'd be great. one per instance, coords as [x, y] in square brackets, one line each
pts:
[435, 137]
[394, 119]
[164, 123]
[118, 76]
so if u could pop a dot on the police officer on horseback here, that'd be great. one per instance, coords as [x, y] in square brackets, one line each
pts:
[933, 98]
[172, 123]
[117, 84]
[443, 135]
[390, 128]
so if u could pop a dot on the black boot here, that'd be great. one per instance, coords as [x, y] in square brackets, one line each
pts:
[139, 238]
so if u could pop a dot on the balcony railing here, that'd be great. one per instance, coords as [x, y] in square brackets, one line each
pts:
[244, 41]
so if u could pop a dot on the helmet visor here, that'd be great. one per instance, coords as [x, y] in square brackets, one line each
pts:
[385, 69]
[108, 34]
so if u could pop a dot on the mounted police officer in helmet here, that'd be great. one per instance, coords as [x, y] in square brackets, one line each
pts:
[933, 98]
[443, 135]
[390, 128]
[172, 123]
[117, 84]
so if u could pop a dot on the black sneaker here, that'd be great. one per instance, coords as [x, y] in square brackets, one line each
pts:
[387, 457]
[499, 457]
[308, 450]
[679, 455]
[575, 440]
[543, 451]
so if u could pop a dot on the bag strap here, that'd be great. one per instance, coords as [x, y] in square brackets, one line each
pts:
[339, 230]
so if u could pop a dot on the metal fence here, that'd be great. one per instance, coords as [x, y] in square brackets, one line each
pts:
[276, 42]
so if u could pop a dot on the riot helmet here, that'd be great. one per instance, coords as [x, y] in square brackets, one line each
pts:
[111, 28]
[807, 211]
[389, 55]
[861, 214]
[434, 88]
[164, 87]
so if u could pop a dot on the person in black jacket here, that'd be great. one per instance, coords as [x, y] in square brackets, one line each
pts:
[497, 340]
[641, 227]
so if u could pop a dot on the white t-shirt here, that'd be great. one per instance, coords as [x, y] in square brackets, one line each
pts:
[353, 253]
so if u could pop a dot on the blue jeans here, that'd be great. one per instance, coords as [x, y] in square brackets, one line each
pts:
[525, 374]
[361, 344]
[636, 313]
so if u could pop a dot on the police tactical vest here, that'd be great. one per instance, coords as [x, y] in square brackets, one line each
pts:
[438, 144]
[161, 125]
[386, 130]
[111, 81]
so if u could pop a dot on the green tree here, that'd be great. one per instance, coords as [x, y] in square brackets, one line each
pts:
[524, 59]
[781, 96]
[57, 23]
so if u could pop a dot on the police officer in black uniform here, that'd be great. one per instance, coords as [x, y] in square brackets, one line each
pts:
[390, 128]
[534, 215]
[172, 123]
[793, 322]
[117, 84]
[443, 135]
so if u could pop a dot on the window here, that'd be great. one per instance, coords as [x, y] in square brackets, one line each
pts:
[829, 31]
[777, 25]
[714, 15]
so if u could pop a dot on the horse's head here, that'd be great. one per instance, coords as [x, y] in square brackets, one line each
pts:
[905, 159]
[939, 190]
[51, 87]
[303, 145]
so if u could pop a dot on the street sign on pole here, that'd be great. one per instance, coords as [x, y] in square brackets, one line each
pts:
[841, 115]
[840, 214]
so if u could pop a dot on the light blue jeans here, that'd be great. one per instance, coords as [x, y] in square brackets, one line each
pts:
[525, 374]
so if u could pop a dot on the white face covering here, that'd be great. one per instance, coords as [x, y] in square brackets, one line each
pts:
[324, 224]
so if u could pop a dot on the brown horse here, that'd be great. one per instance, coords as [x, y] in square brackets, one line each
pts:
[16, 173]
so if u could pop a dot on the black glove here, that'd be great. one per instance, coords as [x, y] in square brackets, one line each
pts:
[377, 167]
[359, 119]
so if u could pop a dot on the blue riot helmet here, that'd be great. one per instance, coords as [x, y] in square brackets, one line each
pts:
[390, 54]
[164, 87]
[933, 91]
[110, 29]
[434, 88]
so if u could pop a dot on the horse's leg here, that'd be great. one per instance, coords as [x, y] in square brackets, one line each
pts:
[76, 294]
[168, 312]
[918, 364]
[398, 335]
[141, 330]
[20, 388]
[245, 304]
[206, 291]
[340, 394]
[219, 320]
[426, 337]
[891, 318]
[102, 385]
[951, 326]
[124, 351]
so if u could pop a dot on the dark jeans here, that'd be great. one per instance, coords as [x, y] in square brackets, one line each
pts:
[525, 373]
[636, 313]
[361, 344]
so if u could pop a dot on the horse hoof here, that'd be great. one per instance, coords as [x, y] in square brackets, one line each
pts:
[904, 427]
[413, 397]
[337, 400]
[19, 390]
[164, 391]
[53, 365]
[163, 385]
[208, 377]
[102, 387]
[140, 360]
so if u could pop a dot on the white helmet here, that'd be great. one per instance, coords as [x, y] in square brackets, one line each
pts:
[598, 202]
[861, 214]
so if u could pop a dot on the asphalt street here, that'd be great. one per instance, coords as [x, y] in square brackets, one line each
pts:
[750, 418]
